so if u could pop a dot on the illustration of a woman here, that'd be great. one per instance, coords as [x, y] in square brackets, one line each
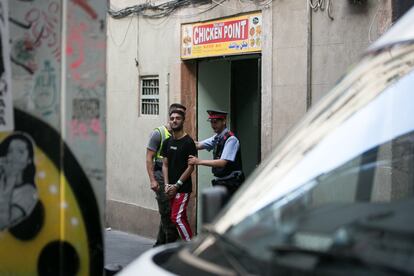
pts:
[18, 192]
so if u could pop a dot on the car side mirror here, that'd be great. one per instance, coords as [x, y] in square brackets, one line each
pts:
[213, 200]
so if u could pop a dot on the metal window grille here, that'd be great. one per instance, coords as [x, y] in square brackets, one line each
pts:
[150, 96]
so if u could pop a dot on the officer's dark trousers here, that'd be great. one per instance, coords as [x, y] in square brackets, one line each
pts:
[167, 231]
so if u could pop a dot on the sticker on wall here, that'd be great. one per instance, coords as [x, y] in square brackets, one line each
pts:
[48, 209]
[6, 102]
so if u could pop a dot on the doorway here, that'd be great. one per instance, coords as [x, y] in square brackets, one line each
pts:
[246, 110]
[232, 85]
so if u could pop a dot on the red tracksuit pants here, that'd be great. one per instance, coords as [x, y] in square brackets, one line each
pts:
[179, 205]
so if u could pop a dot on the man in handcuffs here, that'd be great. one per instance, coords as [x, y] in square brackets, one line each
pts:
[177, 172]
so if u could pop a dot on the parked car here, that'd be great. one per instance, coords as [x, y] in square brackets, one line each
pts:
[335, 197]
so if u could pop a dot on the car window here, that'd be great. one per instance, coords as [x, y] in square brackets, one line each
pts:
[379, 176]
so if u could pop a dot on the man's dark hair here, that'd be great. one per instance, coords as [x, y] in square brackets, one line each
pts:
[177, 106]
[178, 111]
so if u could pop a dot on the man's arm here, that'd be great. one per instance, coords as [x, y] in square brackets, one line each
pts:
[207, 144]
[190, 168]
[152, 148]
[169, 189]
[187, 173]
[165, 170]
[229, 154]
[150, 170]
[199, 145]
[218, 163]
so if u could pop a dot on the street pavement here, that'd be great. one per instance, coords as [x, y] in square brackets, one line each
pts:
[122, 248]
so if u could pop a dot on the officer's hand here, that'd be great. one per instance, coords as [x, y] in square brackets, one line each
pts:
[192, 160]
[155, 186]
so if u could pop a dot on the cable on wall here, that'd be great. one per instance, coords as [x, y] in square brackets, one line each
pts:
[149, 9]
[126, 32]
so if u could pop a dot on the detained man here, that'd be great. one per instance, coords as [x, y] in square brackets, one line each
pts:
[167, 231]
[177, 172]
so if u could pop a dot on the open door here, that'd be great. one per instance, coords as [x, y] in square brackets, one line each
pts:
[245, 110]
[231, 85]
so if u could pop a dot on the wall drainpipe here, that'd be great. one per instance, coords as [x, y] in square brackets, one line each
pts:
[309, 58]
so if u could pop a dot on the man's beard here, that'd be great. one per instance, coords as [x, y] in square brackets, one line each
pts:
[177, 128]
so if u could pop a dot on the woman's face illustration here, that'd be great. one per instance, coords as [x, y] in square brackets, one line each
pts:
[18, 155]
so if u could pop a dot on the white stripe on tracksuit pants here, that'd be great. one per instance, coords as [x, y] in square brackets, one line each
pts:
[179, 215]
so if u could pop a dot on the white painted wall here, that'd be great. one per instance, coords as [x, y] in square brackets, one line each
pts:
[335, 46]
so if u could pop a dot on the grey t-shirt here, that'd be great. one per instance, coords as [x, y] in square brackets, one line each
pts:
[154, 141]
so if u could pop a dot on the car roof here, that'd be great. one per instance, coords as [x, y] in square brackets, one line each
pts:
[402, 31]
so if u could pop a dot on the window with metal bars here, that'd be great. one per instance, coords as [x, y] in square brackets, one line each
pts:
[150, 96]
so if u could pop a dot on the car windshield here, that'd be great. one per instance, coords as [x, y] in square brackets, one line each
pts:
[348, 165]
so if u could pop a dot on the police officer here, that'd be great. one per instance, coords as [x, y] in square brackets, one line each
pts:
[167, 231]
[226, 164]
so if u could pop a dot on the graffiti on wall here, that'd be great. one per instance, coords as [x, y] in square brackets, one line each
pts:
[44, 28]
[87, 75]
[36, 57]
[6, 104]
[45, 90]
[86, 119]
[23, 56]
[86, 7]
[49, 201]
[40, 200]
[40, 29]
[86, 109]
[86, 67]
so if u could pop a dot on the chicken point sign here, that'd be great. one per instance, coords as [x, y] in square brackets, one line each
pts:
[229, 36]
